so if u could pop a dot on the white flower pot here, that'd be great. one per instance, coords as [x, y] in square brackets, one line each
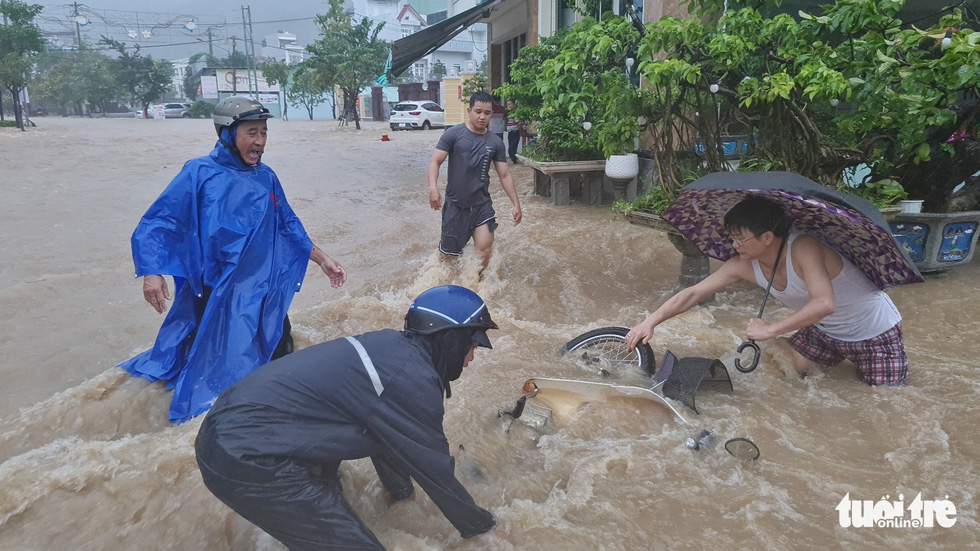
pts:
[911, 206]
[623, 167]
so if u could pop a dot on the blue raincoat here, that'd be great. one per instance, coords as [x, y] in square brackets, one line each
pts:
[224, 228]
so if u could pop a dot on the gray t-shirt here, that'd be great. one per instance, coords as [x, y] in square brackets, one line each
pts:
[470, 155]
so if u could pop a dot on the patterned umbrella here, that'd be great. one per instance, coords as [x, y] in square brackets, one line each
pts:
[847, 223]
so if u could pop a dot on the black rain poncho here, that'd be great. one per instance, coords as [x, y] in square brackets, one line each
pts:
[271, 445]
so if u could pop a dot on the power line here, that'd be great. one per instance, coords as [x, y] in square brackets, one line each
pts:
[147, 25]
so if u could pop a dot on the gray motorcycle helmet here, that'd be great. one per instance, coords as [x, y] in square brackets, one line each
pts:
[236, 109]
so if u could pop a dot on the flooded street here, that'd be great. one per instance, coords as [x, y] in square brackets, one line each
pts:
[88, 460]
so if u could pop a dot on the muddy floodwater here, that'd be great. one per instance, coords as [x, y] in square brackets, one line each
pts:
[88, 460]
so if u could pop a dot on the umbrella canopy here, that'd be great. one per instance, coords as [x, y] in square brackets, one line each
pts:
[847, 223]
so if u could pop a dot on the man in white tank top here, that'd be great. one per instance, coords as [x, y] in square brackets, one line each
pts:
[839, 313]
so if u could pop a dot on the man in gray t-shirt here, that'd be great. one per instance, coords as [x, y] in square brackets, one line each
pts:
[468, 211]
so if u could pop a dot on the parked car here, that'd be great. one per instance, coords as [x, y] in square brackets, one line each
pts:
[416, 114]
[172, 110]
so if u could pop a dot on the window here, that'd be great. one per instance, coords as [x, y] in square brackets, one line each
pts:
[512, 49]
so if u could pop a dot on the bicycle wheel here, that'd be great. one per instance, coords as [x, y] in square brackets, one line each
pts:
[605, 350]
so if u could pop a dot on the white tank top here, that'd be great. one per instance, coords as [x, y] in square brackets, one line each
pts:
[862, 310]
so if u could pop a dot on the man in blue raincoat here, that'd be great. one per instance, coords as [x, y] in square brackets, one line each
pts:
[237, 253]
[271, 446]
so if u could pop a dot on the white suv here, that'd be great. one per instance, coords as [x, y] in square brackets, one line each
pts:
[416, 114]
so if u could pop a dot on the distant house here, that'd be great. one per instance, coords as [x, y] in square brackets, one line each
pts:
[282, 45]
[454, 53]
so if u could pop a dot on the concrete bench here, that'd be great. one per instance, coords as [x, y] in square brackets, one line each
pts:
[558, 179]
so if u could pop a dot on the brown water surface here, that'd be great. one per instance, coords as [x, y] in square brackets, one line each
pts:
[88, 460]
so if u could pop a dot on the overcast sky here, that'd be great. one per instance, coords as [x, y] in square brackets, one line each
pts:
[165, 22]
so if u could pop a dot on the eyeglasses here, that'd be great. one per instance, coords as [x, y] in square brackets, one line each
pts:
[739, 241]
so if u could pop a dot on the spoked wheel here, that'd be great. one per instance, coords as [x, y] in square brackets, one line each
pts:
[604, 350]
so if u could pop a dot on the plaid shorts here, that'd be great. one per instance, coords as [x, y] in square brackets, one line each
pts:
[880, 360]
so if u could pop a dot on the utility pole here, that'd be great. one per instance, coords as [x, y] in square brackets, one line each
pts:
[78, 29]
[1, 91]
[210, 43]
[234, 70]
[253, 76]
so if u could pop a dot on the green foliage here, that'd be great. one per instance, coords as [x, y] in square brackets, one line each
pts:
[201, 109]
[902, 96]
[881, 192]
[476, 83]
[569, 77]
[276, 71]
[525, 73]
[654, 200]
[146, 79]
[561, 136]
[563, 139]
[847, 85]
[349, 55]
[20, 41]
[588, 77]
[235, 60]
[72, 78]
[438, 70]
[8, 124]
[306, 90]
[191, 83]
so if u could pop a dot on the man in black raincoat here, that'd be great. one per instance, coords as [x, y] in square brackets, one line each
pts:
[272, 443]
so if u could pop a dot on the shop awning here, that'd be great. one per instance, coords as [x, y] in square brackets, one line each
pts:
[413, 47]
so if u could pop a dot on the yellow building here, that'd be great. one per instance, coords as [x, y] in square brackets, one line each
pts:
[454, 106]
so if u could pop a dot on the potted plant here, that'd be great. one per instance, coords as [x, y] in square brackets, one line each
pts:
[886, 194]
[591, 81]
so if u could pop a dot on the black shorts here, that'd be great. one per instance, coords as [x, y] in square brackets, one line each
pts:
[458, 225]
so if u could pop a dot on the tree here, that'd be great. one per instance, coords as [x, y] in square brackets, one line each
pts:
[144, 78]
[561, 136]
[591, 69]
[850, 85]
[438, 70]
[476, 83]
[77, 77]
[100, 83]
[192, 83]
[350, 55]
[816, 94]
[306, 91]
[914, 94]
[20, 41]
[275, 72]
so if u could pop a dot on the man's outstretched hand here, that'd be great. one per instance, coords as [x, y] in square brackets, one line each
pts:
[155, 292]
